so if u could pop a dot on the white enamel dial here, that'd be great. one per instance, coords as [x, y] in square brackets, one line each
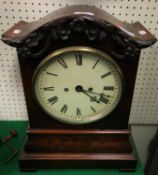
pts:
[77, 85]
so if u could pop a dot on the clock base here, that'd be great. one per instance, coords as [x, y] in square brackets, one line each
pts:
[35, 161]
[49, 148]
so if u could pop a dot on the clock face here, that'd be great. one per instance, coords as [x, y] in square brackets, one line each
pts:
[77, 85]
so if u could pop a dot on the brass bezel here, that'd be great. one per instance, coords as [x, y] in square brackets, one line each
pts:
[79, 49]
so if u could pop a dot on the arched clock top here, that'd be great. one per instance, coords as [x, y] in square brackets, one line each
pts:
[78, 24]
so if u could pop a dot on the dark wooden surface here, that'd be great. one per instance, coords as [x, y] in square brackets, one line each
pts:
[12, 168]
[78, 141]
[35, 161]
[78, 149]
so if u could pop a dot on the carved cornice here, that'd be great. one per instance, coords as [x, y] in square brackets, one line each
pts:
[76, 29]
[88, 24]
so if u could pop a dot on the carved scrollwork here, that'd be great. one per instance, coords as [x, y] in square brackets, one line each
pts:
[35, 45]
[63, 31]
[78, 25]
[78, 29]
[129, 49]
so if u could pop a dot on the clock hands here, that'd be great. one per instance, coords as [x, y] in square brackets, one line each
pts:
[80, 89]
[91, 97]
[102, 97]
[101, 94]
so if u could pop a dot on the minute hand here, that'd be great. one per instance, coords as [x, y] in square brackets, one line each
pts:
[93, 98]
[92, 92]
[102, 98]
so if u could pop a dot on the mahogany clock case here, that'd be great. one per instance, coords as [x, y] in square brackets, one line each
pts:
[65, 28]
[78, 25]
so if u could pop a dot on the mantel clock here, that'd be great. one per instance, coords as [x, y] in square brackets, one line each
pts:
[78, 67]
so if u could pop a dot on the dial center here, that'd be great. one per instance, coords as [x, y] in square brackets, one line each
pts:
[79, 88]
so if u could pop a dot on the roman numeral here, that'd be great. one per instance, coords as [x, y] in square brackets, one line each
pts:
[78, 111]
[53, 100]
[78, 59]
[93, 109]
[64, 109]
[105, 75]
[103, 99]
[51, 73]
[95, 64]
[48, 88]
[109, 88]
[62, 63]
